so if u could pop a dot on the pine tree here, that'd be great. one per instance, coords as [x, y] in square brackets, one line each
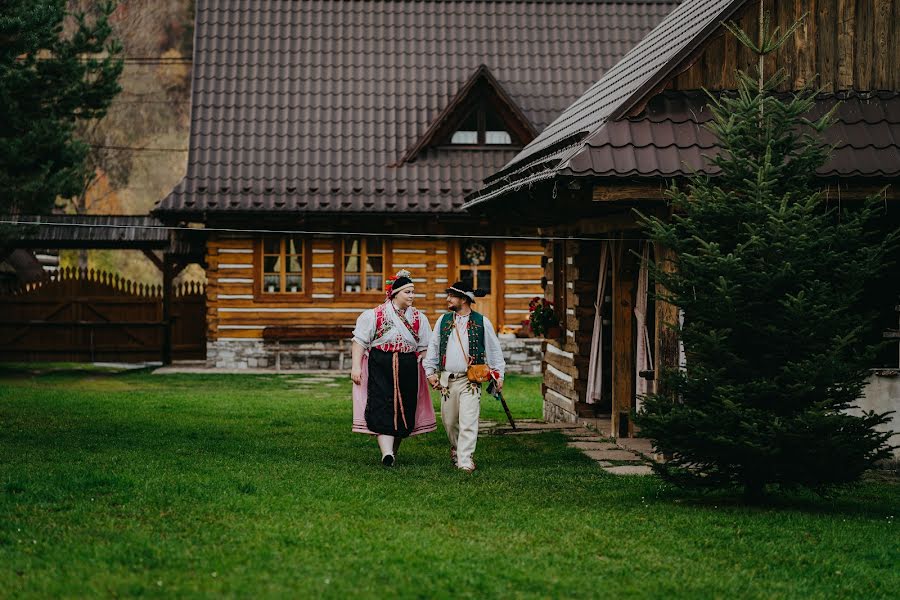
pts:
[50, 78]
[777, 328]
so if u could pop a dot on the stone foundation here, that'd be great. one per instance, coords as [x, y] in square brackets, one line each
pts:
[522, 355]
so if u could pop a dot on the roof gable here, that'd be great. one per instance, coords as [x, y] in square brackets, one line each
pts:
[480, 86]
[686, 51]
[309, 106]
[633, 78]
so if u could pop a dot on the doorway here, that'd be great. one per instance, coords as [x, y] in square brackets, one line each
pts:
[477, 264]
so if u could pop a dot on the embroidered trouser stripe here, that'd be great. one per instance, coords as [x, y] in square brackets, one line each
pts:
[459, 412]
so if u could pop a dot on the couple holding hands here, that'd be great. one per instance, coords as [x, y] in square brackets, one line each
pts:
[397, 357]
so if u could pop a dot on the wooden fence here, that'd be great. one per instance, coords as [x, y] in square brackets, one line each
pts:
[82, 315]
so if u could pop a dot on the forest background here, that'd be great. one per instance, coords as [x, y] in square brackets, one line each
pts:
[139, 149]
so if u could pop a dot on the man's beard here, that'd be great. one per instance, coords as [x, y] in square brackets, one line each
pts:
[454, 308]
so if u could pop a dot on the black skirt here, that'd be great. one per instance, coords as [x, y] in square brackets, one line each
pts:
[381, 414]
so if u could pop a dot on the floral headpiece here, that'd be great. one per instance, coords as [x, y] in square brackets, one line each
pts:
[398, 283]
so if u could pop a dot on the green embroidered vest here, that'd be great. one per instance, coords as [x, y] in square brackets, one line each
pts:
[475, 329]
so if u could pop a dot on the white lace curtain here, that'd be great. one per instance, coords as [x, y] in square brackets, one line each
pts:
[643, 350]
[595, 367]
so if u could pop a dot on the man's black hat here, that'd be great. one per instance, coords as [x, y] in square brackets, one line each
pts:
[464, 290]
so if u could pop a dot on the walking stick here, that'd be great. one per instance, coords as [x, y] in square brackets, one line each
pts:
[493, 391]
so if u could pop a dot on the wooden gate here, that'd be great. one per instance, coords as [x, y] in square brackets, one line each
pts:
[93, 316]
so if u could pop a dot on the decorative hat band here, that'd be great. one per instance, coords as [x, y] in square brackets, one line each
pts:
[397, 290]
[469, 295]
[399, 282]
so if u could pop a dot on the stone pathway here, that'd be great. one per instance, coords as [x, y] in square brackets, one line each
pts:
[630, 456]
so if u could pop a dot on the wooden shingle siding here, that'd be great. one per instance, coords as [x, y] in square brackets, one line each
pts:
[841, 45]
[235, 310]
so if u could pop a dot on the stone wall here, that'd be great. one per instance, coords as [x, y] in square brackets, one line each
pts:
[523, 355]
[882, 394]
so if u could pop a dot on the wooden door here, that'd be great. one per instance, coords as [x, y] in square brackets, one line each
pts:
[477, 265]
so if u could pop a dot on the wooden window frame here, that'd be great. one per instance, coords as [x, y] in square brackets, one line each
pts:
[258, 252]
[480, 105]
[387, 262]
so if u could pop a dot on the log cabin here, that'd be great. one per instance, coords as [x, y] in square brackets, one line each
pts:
[637, 131]
[333, 143]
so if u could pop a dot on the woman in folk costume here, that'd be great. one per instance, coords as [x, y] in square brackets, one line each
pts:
[390, 393]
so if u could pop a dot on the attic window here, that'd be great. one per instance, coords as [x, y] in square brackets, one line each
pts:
[481, 127]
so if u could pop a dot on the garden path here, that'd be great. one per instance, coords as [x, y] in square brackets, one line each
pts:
[629, 456]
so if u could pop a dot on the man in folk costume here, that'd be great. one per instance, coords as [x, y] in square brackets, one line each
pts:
[462, 337]
[390, 394]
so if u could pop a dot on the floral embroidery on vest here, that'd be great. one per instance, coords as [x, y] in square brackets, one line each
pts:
[475, 331]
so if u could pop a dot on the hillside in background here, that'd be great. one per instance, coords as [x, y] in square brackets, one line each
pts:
[139, 150]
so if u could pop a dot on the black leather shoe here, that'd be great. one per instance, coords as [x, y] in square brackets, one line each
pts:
[387, 460]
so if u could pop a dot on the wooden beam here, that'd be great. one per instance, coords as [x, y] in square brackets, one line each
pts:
[641, 191]
[623, 384]
[168, 277]
[845, 44]
[882, 44]
[154, 258]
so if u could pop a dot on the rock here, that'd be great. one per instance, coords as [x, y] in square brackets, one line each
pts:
[592, 445]
[623, 455]
[630, 470]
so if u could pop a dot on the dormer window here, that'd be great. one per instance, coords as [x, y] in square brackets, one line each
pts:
[481, 115]
[482, 127]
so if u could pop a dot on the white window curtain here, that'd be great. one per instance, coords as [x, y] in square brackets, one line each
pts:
[595, 366]
[643, 354]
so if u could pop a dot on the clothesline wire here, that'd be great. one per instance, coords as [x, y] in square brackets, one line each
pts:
[312, 232]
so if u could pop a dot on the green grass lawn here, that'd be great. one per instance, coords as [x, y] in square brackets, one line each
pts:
[127, 484]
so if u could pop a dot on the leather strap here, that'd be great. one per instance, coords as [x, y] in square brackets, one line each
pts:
[461, 345]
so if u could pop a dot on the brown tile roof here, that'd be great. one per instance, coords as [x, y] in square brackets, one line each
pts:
[305, 106]
[635, 76]
[668, 139]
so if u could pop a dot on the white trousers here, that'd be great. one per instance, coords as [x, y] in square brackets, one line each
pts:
[459, 412]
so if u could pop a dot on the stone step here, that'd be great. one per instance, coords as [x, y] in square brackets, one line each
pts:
[622, 455]
[592, 445]
[629, 470]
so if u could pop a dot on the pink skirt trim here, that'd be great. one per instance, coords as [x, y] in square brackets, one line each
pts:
[425, 419]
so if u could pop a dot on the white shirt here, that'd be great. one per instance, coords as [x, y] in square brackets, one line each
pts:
[456, 358]
[365, 332]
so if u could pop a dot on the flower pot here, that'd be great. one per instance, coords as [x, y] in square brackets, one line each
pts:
[553, 332]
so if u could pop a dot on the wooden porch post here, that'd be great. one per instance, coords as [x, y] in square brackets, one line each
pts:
[623, 384]
[168, 273]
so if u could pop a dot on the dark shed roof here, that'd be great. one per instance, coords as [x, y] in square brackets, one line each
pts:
[308, 106]
[668, 139]
[90, 231]
[125, 232]
[593, 137]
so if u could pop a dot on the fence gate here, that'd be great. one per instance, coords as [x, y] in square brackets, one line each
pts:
[94, 316]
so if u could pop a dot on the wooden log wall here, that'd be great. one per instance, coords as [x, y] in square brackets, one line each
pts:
[565, 365]
[235, 312]
[841, 45]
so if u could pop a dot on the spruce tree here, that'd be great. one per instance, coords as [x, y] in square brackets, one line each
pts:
[50, 78]
[778, 331]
